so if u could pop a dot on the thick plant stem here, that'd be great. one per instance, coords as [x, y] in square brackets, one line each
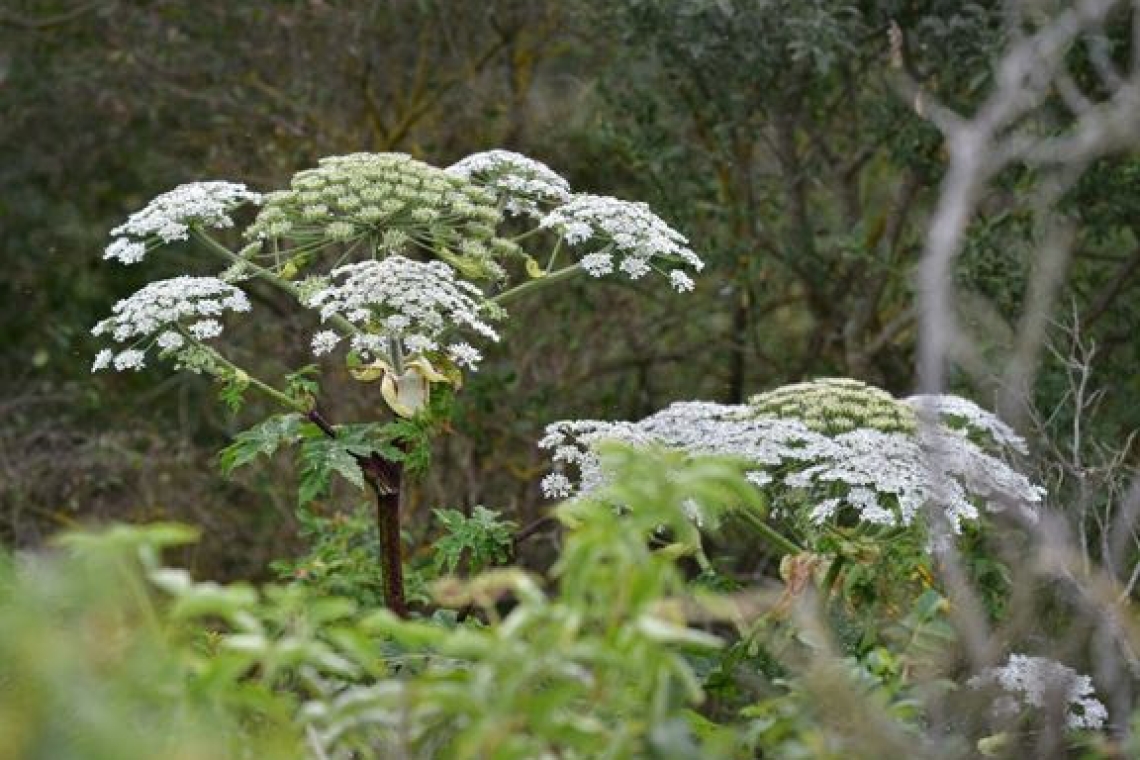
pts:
[776, 539]
[385, 477]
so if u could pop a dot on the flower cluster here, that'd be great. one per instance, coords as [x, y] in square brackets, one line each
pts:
[1029, 682]
[404, 304]
[171, 312]
[623, 236]
[836, 405]
[963, 414]
[399, 201]
[523, 184]
[169, 217]
[838, 446]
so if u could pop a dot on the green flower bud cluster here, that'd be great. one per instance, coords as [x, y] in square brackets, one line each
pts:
[396, 199]
[834, 406]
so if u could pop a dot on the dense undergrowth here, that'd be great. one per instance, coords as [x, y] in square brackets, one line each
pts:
[624, 650]
[740, 534]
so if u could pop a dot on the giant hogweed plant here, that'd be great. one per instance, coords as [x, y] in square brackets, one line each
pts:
[843, 471]
[406, 269]
[859, 493]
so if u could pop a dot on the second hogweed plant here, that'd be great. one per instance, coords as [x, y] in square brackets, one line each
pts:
[834, 461]
[406, 269]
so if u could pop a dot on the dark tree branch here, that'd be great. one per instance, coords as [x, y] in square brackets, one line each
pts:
[46, 22]
[1120, 278]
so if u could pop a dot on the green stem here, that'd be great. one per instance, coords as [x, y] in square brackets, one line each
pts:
[260, 385]
[396, 354]
[528, 233]
[140, 596]
[832, 576]
[383, 475]
[553, 256]
[259, 271]
[267, 275]
[532, 286]
[770, 534]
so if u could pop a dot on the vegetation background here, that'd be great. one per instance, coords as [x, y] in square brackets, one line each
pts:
[769, 132]
[797, 143]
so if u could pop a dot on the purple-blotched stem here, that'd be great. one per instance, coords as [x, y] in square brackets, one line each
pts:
[385, 478]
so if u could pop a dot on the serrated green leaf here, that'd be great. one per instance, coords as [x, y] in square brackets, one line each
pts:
[483, 538]
[302, 384]
[320, 458]
[262, 439]
[232, 392]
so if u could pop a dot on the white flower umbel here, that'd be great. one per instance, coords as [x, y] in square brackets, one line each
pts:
[165, 314]
[525, 186]
[963, 414]
[324, 342]
[1030, 682]
[397, 302]
[822, 450]
[169, 217]
[465, 355]
[624, 235]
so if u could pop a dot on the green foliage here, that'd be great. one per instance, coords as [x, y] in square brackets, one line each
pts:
[94, 666]
[484, 539]
[340, 555]
[302, 385]
[233, 388]
[769, 131]
[320, 457]
[263, 439]
[620, 655]
[599, 669]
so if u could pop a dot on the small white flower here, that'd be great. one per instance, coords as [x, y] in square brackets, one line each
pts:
[576, 232]
[159, 307]
[170, 340]
[598, 264]
[419, 344]
[102, 360]
[324, 342]
[125, 250]
[400, 300]
[369, 345]
[957, 412]
[207, 328]
[130, 359]
[556, 486]
[626, 231]
[682, 283]
[1028, 682]
[465, 355]
[397, 324]
[635, 267]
